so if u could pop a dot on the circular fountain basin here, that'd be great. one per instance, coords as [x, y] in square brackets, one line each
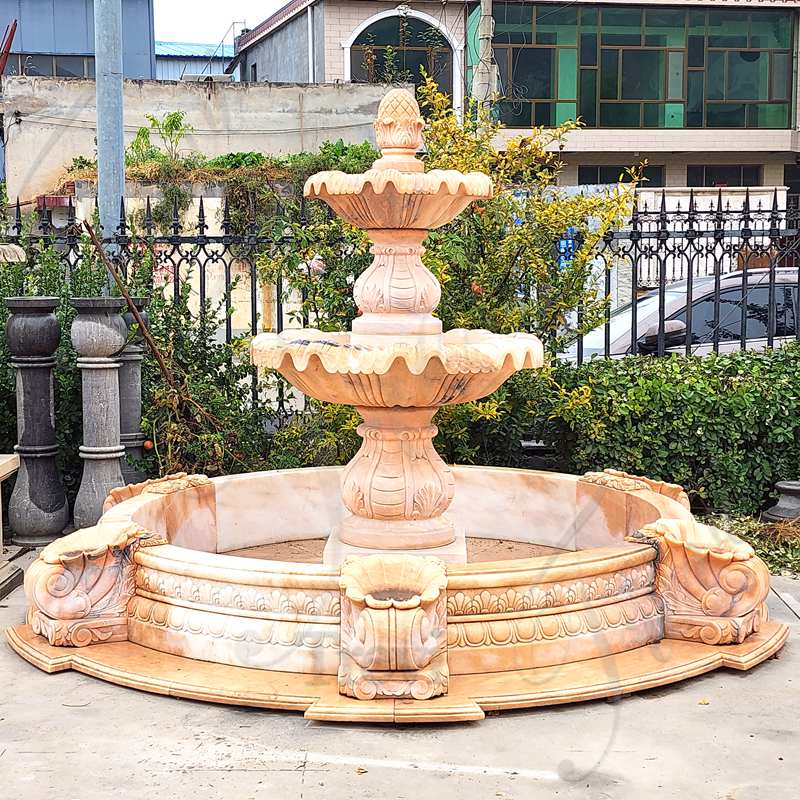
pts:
[201, 596]
[554, 604]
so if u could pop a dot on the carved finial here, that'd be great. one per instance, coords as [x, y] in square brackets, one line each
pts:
[398, 131]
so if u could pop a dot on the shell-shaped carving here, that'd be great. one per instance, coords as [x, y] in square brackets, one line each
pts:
[398, 581]
[87, 575]
[474, 185]
[457, 367]
[92, 542]
[457, 351]
[704, 571]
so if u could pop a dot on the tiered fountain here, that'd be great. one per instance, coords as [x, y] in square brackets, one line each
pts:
[397, 588]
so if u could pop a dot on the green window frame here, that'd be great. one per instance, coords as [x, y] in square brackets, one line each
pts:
[644, 66]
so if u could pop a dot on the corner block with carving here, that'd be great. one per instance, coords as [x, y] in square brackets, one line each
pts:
[625, 482]
[393, 627]
[713, 585]
[176, 482]
[79, 587]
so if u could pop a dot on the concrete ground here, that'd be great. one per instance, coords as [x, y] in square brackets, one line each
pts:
[723, 736]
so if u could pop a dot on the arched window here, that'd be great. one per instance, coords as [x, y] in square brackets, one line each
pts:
[397, 49]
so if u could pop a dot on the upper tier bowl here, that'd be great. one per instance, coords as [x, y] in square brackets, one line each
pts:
[457, 367]
[389, 199]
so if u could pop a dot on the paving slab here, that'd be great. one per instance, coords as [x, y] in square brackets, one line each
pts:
[726, 735]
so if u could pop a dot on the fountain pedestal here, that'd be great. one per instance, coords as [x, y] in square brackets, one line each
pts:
[397, 489]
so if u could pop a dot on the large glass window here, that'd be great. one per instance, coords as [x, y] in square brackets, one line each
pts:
[722, 175]
[589, 174]
[644, 67]
[399, 49]
[50, 65]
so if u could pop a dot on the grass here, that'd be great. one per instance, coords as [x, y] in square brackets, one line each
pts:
[777, 544]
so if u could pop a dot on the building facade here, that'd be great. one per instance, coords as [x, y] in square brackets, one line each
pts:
[56, 38]
[176, 60]
[326, 41]
[706, 92]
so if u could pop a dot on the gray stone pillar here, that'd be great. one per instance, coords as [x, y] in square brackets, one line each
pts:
[98, 334]
[38, 510]
[130, 399]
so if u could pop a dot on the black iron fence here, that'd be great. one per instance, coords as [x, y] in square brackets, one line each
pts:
[695, 279]
[704, 279]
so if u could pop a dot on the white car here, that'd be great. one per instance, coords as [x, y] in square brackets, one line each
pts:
[701, 335]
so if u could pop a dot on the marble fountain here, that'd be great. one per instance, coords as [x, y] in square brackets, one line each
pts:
[397, 588]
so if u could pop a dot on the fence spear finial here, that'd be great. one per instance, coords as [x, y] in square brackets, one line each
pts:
[122, 227]
[774, 216]
[18, 218]
[148, 218]
[201, 219]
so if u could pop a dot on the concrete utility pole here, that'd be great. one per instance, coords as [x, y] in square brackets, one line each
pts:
[110, 135]
[484, 78]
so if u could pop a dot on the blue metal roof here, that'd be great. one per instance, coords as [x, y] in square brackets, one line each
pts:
[192, 50]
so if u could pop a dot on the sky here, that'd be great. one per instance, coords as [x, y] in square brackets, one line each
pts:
[207, 21]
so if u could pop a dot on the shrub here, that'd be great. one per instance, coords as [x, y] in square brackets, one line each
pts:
[236, 160]
[725, 427]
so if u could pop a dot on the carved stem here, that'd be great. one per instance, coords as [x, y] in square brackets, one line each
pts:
[397, 486]
[397, 292]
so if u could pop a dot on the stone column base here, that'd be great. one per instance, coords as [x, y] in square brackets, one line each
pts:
[336, 551]
[10, 578]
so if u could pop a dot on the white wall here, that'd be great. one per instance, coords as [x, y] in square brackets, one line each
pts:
[49, 121]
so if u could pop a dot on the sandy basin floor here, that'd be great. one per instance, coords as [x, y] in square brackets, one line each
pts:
[309, 551]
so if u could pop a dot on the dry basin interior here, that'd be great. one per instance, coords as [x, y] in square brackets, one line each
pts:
[506, 513]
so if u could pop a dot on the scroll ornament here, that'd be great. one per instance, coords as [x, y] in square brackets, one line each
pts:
[79, 587]
[713, 585]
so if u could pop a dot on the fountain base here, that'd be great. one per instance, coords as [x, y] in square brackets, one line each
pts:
[572, 588]
[469, 697]
[337, 548]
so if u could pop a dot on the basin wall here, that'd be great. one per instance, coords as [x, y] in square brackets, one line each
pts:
[192, 599]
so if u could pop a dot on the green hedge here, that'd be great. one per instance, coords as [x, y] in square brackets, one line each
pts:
[725, 427]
